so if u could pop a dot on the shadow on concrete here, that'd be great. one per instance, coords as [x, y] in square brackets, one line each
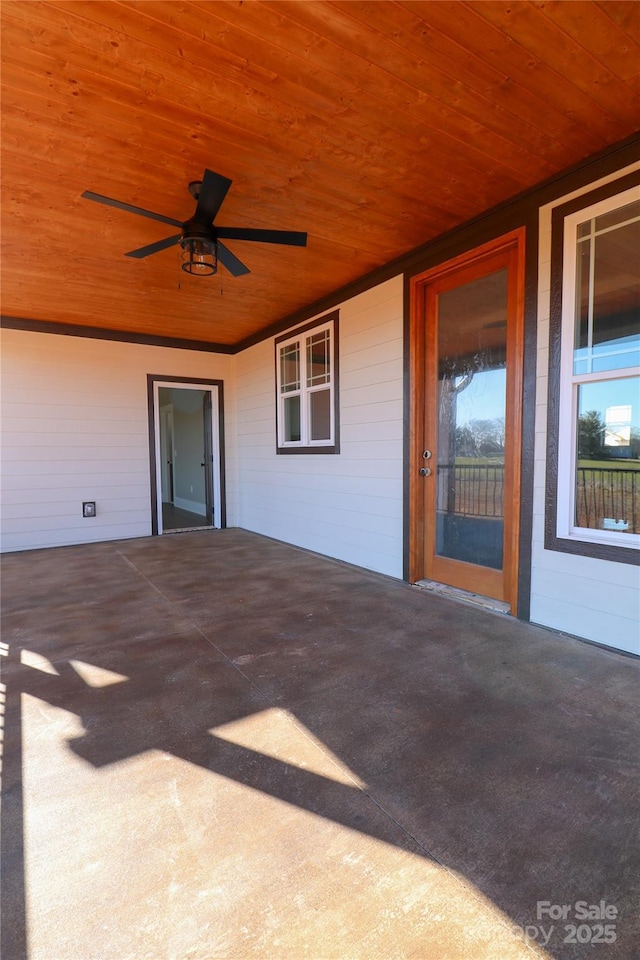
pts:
[13, 928]
[500, 750]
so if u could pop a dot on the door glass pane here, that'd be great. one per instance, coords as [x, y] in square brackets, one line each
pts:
[608, 463]
[472, 350]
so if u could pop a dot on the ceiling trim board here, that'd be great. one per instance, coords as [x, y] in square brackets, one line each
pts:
[103, 333]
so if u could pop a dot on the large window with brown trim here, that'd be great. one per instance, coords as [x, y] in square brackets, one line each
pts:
[306, 377]
[598, 439]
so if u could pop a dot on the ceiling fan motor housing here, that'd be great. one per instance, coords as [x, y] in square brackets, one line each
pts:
[195, 230]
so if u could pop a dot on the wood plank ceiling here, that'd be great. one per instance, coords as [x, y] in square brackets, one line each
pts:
[373, 126]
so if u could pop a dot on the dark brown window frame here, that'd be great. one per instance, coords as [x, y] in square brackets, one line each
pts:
[583, 548]
[328, 449]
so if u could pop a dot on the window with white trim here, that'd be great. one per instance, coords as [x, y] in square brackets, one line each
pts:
[306, 373]
[598, 480]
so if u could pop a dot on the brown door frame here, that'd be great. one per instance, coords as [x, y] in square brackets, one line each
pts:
[512, 244]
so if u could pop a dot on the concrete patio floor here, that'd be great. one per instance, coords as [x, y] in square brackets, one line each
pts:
[217, 745]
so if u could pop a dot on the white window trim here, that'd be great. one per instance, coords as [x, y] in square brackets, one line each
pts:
[567, 451]
[304, 391]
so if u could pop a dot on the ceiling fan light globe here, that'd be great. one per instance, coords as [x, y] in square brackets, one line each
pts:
[199, 257]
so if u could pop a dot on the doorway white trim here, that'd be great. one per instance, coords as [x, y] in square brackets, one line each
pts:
[216, 443]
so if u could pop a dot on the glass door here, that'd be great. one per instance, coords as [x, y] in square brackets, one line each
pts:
[469, 463]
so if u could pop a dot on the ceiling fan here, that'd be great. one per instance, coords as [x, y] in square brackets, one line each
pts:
[199, 238]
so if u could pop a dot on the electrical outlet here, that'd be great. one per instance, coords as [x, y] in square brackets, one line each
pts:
[88, 508]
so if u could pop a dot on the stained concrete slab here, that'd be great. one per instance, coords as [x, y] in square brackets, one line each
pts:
[217, 745]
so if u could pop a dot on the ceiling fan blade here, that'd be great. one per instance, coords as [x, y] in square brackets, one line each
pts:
[212, 192]
[290, 237]
[230, 261]
[129, 208]
[154, 247]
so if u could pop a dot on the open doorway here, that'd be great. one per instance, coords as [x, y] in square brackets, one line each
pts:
[186, 454]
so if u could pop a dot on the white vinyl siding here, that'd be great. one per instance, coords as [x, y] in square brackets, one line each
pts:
[347, 506]
[75, 427]
[595, 599]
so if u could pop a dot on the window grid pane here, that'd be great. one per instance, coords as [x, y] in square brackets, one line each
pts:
[583, 301]
[318, 358]
[606, 221]
[607, 320]
[290, 368]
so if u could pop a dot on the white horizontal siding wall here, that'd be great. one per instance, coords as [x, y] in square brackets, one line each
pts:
[347, 505]
[594, 599]
[75, 427]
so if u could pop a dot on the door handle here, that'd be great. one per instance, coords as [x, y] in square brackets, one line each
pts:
[425, 471]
